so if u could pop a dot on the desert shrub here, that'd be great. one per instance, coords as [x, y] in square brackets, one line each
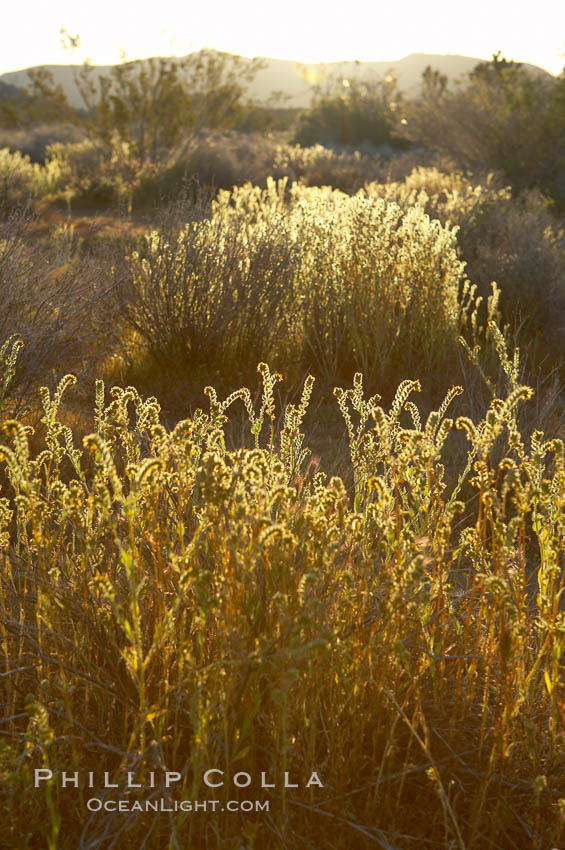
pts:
[352, 112]
[515, 241]
[347, 170]
[320, 166]
[169, 605]
[319, 278]
[214, 159]
[80, 161]
[228, 159]
[383, 288]
[20, 180]
[524, 248]
[218, 292]
[94, 173]
[376, 288]
[502, 117]
[23, 181]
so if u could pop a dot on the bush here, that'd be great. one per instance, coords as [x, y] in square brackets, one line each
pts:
[93, 173]
[352, 112]
[501, 118]
[313, 276]
[20, 180]
[515, 241]
[383, 289]
[220, 291]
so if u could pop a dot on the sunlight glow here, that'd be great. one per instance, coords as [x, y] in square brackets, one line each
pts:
[305, 32]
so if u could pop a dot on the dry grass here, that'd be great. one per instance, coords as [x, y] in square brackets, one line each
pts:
[167, 604]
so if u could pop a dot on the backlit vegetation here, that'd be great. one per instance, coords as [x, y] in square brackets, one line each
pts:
[351, 565]
[169, 603]
[319, 277]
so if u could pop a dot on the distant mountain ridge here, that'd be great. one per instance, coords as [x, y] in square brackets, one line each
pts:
[296, 81]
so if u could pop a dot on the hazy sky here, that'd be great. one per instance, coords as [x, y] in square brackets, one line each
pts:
[302, 30]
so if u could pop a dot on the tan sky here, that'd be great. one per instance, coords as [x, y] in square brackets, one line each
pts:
[302, 30]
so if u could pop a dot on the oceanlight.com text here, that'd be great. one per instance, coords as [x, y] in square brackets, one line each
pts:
[95, 804]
